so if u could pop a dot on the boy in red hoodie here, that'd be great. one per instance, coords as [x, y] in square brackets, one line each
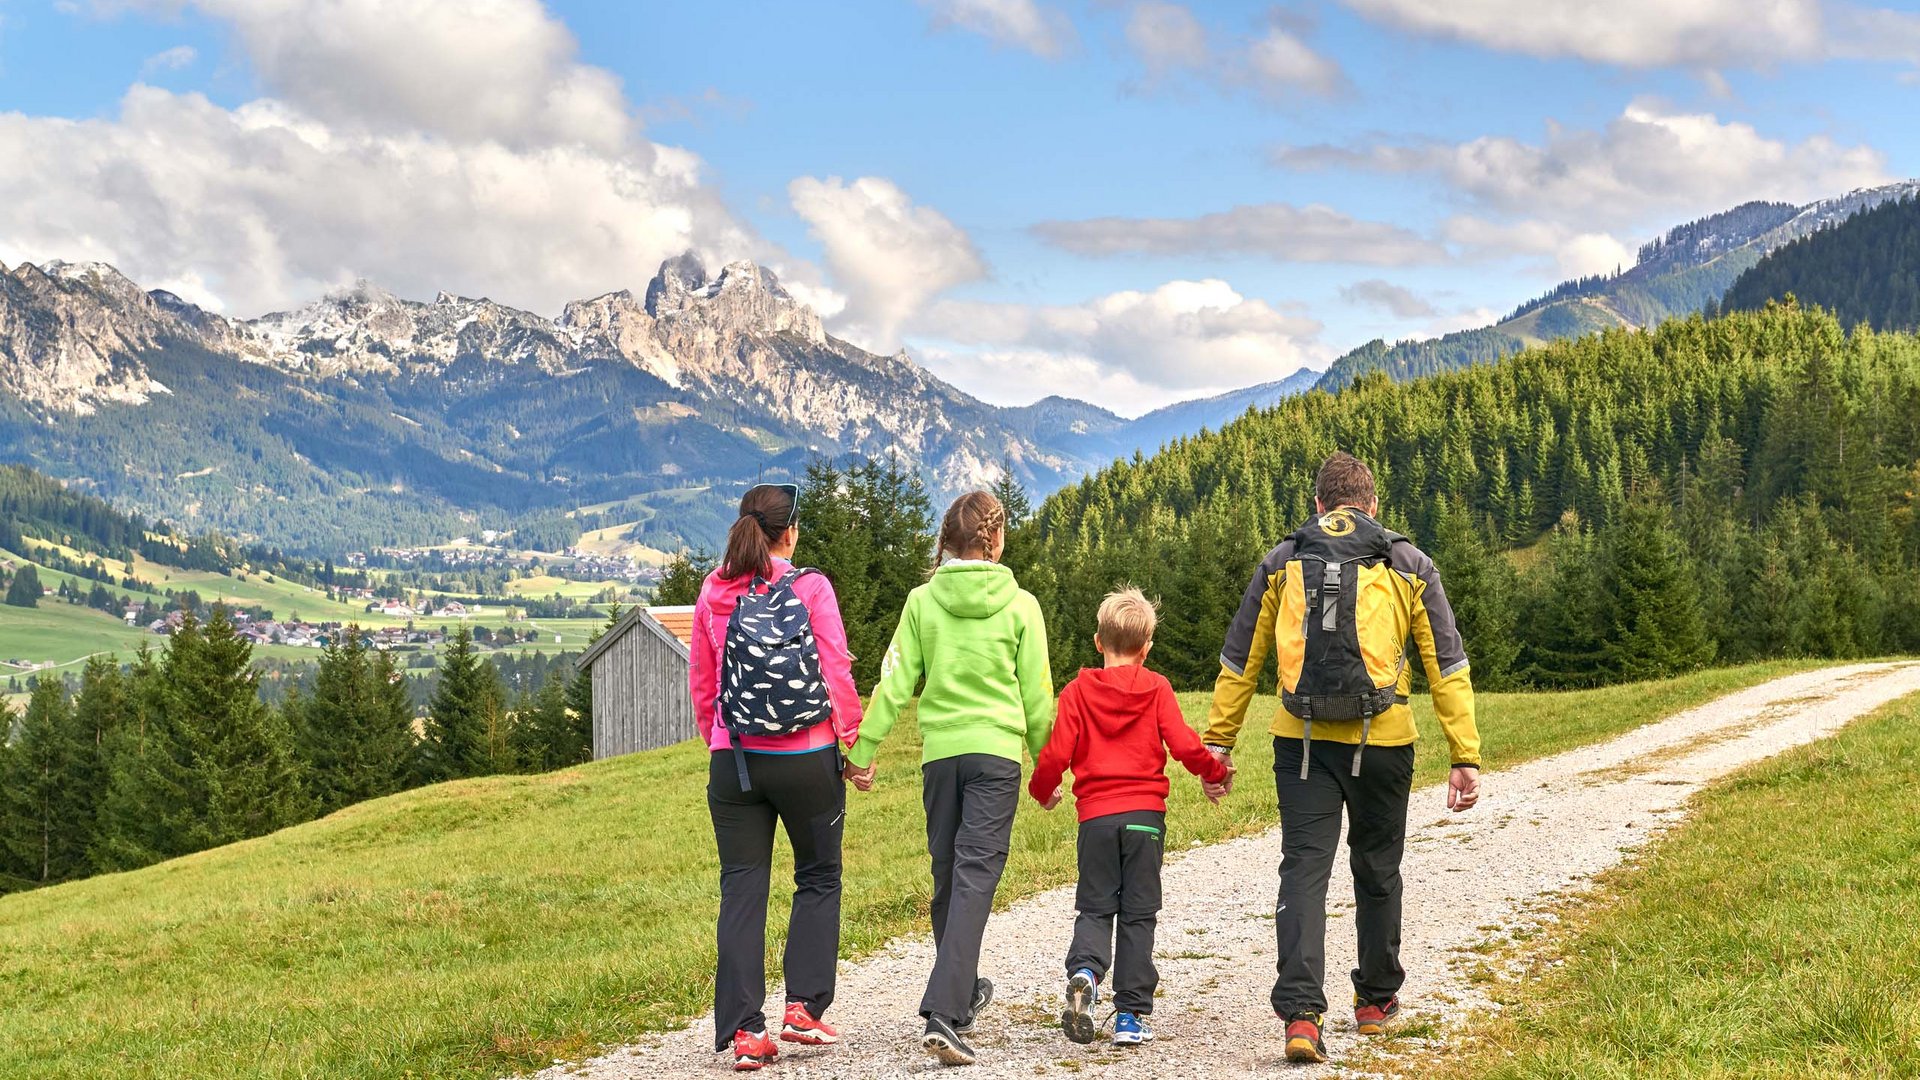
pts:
[1114, 728]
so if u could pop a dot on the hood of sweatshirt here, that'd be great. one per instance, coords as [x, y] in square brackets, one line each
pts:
[1118, 697]
[973, 589]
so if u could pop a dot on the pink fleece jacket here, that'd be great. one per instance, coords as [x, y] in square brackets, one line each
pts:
[718, 596]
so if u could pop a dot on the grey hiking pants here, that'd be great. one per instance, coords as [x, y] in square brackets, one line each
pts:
[970, 801]
[1376, 807]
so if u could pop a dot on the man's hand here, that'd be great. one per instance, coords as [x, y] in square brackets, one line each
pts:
[862, 779]
[1053, 800]
[1463, 788]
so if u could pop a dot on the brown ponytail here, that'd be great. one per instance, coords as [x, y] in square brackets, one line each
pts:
[765, 512]
[969, 526]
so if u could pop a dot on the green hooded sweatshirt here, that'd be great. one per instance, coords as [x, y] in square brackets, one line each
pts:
[979, 639]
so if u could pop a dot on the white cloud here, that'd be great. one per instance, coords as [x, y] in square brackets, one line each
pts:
[1279, 61]
[1017, 377]
[175, 59]
[887, 255]
[1170, 41]
[1628, 33]
[1142, 348]
[1282, 231]
[1167, 37]
[427, 144]
[1022, 24]
[1397, 300]
[1574, 194]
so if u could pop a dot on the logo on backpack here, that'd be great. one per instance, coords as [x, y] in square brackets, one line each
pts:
[770, 680]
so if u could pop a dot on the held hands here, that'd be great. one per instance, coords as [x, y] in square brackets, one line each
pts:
[862, 779]
[1053, 800]
[1216, 792]
[1463, 789]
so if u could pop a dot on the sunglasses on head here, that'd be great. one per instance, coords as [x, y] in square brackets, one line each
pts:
[793, 500]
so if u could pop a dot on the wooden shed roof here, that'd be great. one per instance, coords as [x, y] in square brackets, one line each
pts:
[673, 625]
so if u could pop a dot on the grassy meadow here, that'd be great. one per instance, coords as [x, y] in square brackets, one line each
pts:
[1775, 933]
[490, 926]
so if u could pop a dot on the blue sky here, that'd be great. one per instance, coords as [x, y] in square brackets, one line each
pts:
[1132, 201]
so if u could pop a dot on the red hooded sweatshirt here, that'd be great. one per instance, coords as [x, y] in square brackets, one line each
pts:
[1114, 729]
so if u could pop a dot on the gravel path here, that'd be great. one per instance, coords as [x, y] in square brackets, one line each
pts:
[1541, 829]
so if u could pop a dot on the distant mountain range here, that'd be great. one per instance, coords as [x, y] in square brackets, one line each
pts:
[365, 419]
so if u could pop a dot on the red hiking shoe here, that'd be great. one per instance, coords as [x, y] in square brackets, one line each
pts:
[1303, 1038]
[752, 1050]
[1370, 1018]
[802, 1028]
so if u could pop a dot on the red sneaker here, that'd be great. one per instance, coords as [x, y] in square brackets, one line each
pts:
[1303, 1038]
[752, 1049]
[802, 1028]
[1371, 1018]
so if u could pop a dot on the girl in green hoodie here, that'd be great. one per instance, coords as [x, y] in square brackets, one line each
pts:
[979, 640]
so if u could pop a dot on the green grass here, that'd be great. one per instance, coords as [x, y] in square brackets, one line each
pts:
[1776, 933]
[62, 632]
[490, 926]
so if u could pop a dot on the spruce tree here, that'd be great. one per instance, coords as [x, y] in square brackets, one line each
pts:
[464, 727]
[1481, 586]
[46, 816]
[351, 741]
[1564, 623]
[1657, 627]
[682, 577]
[25, 589]
[244, 778]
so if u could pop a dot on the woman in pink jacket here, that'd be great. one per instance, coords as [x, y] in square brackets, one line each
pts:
[796, 778]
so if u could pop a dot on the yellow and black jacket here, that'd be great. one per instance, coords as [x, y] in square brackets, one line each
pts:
[1389, 599]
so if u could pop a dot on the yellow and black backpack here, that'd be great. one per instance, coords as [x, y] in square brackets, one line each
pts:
[1341, 630]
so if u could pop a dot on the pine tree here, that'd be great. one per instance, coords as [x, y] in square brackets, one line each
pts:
[1018, 555]
[1564, 621]
[353, 742]
[244, 779]
[25, 589]
[545, 736]
[101, 710]
[463, 719]
[682, 577]
[1657, 628]
[46, 816]
[1481, 586]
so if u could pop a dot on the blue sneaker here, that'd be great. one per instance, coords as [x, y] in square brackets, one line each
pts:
[1131, 1029]
[1083, 993]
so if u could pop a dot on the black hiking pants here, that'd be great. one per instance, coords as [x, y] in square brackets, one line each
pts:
[1120, 858]
[804, 793]
[1376, 807]
[970, 801]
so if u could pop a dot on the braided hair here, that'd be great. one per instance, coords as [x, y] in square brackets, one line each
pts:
[969, 529]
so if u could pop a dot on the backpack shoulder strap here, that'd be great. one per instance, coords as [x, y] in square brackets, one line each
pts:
[787, 579]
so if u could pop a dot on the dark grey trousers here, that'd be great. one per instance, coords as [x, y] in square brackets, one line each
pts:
[970, 801]
[804, 793]
[1376, 806]
[1120, 858]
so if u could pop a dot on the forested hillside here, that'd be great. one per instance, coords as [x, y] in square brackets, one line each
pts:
[1736, 488]
[1865, 270]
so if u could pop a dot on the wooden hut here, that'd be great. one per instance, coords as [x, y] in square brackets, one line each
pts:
[639, 671]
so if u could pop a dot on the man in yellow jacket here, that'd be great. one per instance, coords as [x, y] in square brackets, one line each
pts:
[1336, 603]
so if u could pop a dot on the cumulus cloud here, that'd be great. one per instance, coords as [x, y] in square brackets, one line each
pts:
[1144, 348]
[1570, 251]
[1169, 40]
[1312, 233]
[889, 256]
[1650, 158]
[1022, 24]
[1629, 33]
[1396, 300]
[426, 144]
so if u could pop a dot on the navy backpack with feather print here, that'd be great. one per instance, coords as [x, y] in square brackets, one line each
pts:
[770, 679]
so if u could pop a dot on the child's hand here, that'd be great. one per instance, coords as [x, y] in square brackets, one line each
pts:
[1053, 800]
[862, 778]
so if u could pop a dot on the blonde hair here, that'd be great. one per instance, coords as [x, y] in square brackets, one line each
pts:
[1127, 620]
[969, 526]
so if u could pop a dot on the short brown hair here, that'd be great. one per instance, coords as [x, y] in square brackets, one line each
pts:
[1344, 480]
[1126, 620]
[969, 526]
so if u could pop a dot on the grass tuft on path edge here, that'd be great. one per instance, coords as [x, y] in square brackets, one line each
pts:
[491, 926]
[1774, 933]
